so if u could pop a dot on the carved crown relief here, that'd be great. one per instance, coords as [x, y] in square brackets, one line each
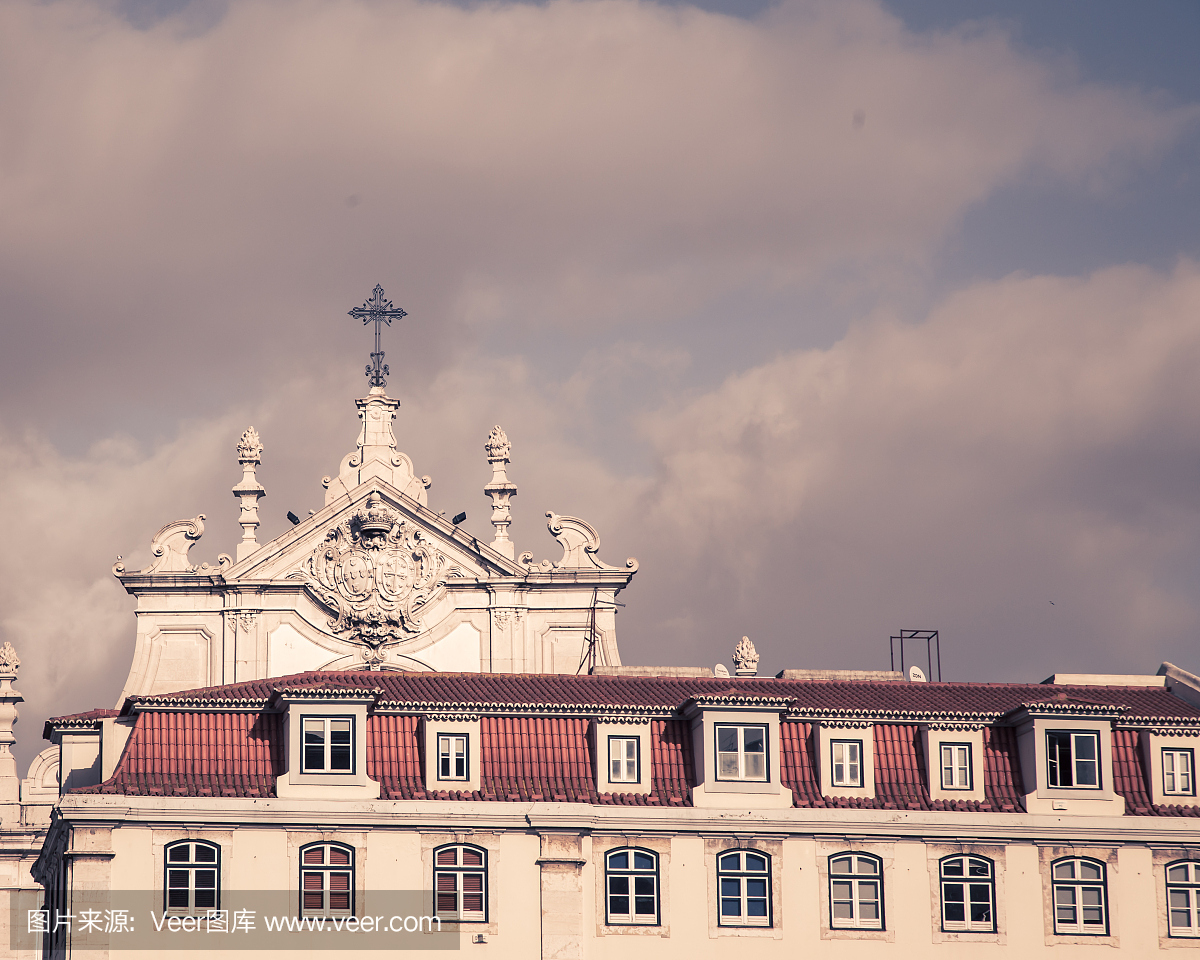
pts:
[377, 571]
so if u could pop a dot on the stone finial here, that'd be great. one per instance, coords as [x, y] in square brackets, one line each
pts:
[500, 490]
[249, 491]
[250, 447]
[497, 445]
[745, 658]
[9, 661]
[10, 783]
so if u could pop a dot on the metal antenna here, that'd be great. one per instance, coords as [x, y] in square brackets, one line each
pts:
[378, 310]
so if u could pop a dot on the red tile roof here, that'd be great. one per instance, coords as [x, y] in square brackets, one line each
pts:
[534, 735]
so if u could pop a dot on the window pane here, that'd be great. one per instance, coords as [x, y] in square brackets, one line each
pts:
[731, 887]
[1089, 871]
[867, 866]
[314, 881]
[618, 885]
[1085, 746]
[446, 903]
[727, 739]
[952, 902]
[206, 899]
[472, 882]
[980, 868]
[643, 886]
[618, 906]
[447, 858]
[756, 766]
[756, 741]
[618, 861]
[642, 861]
[756, 907]
[730, 861]
[1179, 898]
[180, 853]
[314, 758]
[643, 906]
[205, 854]
[206, 879]
[1064, 871]
[842, 865]
[473, 902]
[446, 881]
[1178, 873]
[731, 908]
[472, 858]
[727, 766]
[1064, 904]
[755, 862]
[756, 887]
[339, 856]
[952, 868]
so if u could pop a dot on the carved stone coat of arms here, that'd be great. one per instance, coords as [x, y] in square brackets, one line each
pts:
[377, 572]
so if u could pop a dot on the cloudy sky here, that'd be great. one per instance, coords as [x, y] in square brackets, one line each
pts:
[842, 317]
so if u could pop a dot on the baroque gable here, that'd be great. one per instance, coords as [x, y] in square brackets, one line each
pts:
[373, 580]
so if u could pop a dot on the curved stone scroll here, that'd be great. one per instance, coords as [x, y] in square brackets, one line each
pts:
[581, 544]
[170, 546]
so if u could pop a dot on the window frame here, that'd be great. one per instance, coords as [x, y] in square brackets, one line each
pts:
[1078, 928]
[452, 757]
[741, 729]
[1192, 888]
[326, 869]
[833, 764]
[967, 925]
[192, 865]
[855, 878]
[955, 766]
[1178, 752]
[325, 720]
[610, 873]
[459, 870]
[1054, 764]
[741, 875]
[637, 757]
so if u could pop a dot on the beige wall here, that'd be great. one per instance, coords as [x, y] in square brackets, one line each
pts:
[546, 874]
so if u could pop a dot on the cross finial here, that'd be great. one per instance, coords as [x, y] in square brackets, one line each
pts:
[378, 310]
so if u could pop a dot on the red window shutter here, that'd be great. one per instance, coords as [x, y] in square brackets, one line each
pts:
[314, 855]
[446, 881]
[314, 881]
[339, 881]
[447, 858]
[447, 903]
[472, 858]
[339, 901]
[339, 857]
[313, 901]
[472, 882]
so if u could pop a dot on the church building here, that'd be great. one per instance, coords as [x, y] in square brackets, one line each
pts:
[376, 732]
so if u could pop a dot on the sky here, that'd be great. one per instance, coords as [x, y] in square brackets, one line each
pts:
[841, 317]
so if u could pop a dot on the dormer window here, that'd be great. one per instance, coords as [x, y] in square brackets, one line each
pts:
[1178, 772]
[956, 766]
[741, 752]
[328, 744]
[1073, 759]
[623, 760]
[452, 757]
[847, 763]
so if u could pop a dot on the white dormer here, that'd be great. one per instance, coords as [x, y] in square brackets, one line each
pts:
[325, 744]
[1066, 758]
[846, 758]
[954, 761]
[451, 748]
[735, 743]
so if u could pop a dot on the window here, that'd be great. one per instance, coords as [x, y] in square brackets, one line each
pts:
[326, 880]
[452, 756]
[631, 886]
[1183, 898]
[1073, 759]
[956, 766]
[855, 891]
[744, 879]
[1179, 772]
[193, 872]
[328, 744]
[460, 883]
[1080, 897]
[741, 752]
[623, 760]
[847, 763]
[968, 892]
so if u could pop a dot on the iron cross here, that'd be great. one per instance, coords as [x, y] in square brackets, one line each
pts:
[378, 310]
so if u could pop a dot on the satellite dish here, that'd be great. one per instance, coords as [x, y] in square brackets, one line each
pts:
[720, 670]
[916, 674]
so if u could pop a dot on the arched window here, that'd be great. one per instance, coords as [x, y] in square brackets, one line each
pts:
[631, 885]
[968, 894]
[1080, 896]
[193, 877]
[460, 883]
[326, 880]
[1183, 898]
[744, 880]
[855, 891]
